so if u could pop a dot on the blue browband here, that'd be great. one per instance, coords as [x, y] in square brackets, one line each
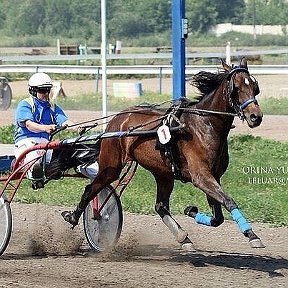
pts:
[237, 69]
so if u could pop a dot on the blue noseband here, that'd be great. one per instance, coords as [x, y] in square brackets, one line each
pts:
[247, 102]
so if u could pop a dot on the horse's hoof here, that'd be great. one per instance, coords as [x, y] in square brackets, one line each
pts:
[70, 218]
[181, 236]
[191, 211]
[256, 243]
[189, 247]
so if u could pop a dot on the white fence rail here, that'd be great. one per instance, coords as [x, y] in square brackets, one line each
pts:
[195, 55]
[134, 69]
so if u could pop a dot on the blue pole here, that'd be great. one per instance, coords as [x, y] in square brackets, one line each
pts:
[178, 48]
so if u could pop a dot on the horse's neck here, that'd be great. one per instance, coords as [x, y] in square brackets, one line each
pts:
[217, 101]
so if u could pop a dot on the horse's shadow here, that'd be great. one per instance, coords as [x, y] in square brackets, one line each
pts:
[265, 264]
[200, 258]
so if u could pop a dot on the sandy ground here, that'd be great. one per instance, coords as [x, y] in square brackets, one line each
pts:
[45, 252]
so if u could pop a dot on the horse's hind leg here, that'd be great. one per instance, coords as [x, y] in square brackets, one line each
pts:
[164, 189]
[104, 178]
[73, 217]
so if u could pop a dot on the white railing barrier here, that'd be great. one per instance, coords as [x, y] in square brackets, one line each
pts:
[157, 70]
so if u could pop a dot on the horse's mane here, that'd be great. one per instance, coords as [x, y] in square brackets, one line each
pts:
[207, 82]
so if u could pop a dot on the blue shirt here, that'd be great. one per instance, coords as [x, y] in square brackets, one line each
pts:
[40, 112]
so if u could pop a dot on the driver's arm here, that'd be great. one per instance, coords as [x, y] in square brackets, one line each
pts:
[36, 127]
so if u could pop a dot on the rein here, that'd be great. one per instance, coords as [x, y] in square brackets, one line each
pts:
[185, 110]
[196, 110]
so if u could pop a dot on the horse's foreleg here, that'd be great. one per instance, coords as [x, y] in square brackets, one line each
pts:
[215, 220]
[164, 189]
[213, 190]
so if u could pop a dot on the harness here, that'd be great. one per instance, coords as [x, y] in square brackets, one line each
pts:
[167, 148]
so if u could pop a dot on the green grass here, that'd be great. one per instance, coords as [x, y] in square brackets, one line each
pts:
[274, 106]
[251, 159]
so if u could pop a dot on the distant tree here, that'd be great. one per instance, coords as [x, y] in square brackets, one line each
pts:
[201, 15]
[2, 19]
[232, 12]
[157, 14]
[265, 12]
[85, 18]
[29, 17]
[8, 8]
[131, 18]
[58, 18]
[2, 15]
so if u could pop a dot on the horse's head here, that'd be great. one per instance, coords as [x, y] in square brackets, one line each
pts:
[242, 91]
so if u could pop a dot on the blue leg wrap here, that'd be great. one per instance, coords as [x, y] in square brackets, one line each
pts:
[201, 218]
[240, 220]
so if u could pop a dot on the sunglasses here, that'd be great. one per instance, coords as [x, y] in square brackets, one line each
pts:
[44, 90]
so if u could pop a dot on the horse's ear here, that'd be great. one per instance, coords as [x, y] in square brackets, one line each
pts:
[243, 62]
[226, 67]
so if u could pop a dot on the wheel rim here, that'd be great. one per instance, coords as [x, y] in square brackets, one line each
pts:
[5, 224]
[5, 98]
[104, 232]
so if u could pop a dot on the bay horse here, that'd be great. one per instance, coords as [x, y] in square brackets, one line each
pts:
[199, 151]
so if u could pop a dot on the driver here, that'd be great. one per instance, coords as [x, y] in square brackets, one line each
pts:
[36, 117]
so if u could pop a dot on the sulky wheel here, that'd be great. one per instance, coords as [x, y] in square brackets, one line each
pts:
[5, 94]
[103, 229]
[5, 224]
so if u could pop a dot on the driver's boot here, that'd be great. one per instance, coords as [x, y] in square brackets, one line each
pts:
[38, 175]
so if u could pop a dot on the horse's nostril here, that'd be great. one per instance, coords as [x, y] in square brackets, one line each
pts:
[253, 117]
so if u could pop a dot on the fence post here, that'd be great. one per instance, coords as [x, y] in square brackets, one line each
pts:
[97, 80]
[160, 80]
[228, 53]
[178, 48]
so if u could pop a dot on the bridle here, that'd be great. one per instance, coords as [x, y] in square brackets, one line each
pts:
[235, 104]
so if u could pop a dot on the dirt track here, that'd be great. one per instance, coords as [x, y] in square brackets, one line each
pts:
[45, 253]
